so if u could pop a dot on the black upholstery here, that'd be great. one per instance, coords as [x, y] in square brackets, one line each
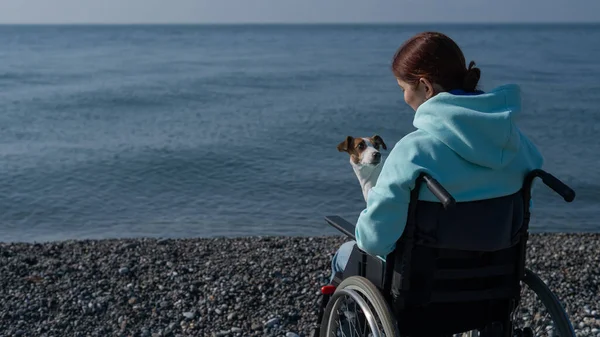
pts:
[462, 290]
[486, 225]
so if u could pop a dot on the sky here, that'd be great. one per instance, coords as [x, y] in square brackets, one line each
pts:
[297, 11]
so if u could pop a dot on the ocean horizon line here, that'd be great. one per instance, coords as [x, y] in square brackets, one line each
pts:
[366, 23]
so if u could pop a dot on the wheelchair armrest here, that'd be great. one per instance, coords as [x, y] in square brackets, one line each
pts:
[342, 225]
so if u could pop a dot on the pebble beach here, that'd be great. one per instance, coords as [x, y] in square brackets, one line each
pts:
[254, 286]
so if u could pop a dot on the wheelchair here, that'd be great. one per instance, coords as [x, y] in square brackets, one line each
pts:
[457, 270]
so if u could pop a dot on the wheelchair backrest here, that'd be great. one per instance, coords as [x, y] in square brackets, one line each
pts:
[467, 258]
[461, 265]
[485, 225]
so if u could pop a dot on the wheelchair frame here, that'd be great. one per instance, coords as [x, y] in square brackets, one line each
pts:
[372, 267]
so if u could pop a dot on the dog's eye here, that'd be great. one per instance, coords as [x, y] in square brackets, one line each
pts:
[361, 146]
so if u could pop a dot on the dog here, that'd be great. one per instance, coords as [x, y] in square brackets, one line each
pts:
[365, 158]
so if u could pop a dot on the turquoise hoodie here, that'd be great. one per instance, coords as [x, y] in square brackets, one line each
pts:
[469, 143]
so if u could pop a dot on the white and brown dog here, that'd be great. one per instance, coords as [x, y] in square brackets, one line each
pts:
[365, 158]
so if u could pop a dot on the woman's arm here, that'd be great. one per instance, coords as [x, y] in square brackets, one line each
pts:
[381, 224]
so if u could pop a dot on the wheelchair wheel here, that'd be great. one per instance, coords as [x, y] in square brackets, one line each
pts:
[357, 308]
[548, 319]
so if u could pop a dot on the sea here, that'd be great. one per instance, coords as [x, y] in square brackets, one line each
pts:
[180, 131]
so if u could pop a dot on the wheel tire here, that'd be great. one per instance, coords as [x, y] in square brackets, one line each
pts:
[373, 297]
[555, 309]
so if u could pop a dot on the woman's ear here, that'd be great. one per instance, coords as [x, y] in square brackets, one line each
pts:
[428, 87]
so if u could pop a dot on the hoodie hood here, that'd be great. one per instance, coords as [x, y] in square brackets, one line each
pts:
[479, 128]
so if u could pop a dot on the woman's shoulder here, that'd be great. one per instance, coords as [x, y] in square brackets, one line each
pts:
[416, 150]
[418, 142]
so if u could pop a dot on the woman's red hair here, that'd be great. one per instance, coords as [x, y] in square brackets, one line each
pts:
[437, 58]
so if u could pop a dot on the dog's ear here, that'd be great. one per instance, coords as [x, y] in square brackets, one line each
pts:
[345, 145]
[378, 140]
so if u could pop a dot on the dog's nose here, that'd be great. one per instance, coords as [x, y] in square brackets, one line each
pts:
[377, 155]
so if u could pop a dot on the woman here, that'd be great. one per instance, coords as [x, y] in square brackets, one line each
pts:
[465, 138]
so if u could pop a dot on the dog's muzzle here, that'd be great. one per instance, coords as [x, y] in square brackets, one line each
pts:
[376, 158]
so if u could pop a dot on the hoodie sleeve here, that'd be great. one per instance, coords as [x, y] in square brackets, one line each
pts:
[381, 224]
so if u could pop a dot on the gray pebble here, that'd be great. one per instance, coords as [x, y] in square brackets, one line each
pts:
[272, 322]
[130, 245]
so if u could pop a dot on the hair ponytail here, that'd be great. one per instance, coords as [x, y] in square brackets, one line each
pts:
[471, 78]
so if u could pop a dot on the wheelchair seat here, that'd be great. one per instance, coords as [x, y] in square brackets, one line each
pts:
[457, 267]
